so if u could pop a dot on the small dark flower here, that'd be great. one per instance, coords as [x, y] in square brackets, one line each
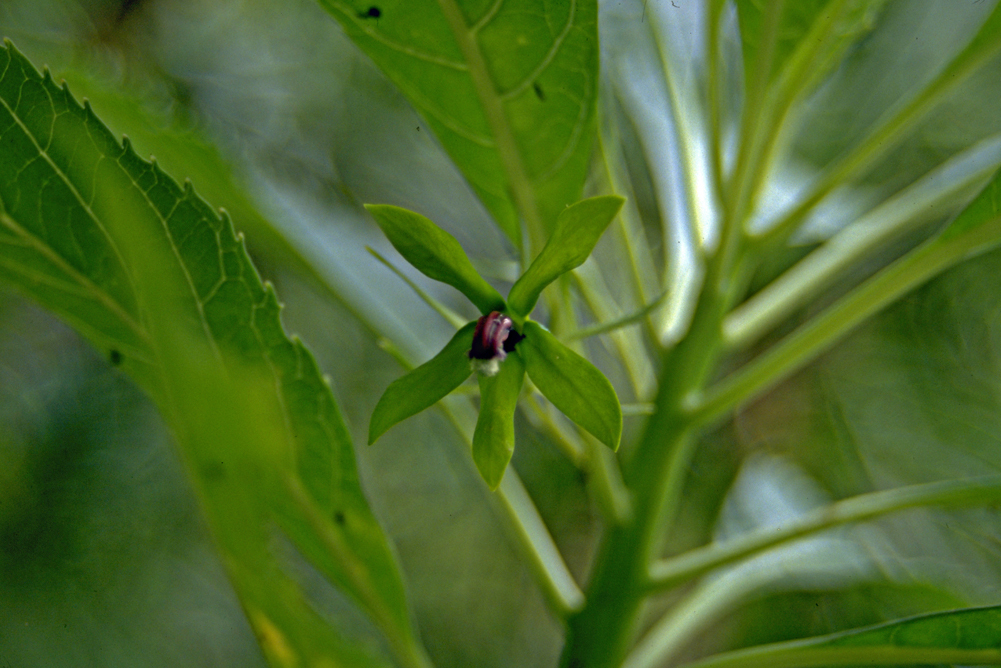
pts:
[493, 339]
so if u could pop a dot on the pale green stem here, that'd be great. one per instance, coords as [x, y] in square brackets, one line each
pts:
[688, 137]
[641, 262]
[519, 514]
[525, 524]
[924, 200]
[668, 573]
[715, 596]
[558, 585]
[633, 353]
[695, 611]
[543, 419]
[604, 480]
[888, 134]
[450, 316]
[635, 318]
[803, 345]
[791, 85]
[738, 189]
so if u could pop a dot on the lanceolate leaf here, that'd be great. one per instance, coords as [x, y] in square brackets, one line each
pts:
[508, 87]
[573, 384]
[493, 439]
[435, 253]
[970, 636]
[424, 386]
[578, 229]
[159, 280]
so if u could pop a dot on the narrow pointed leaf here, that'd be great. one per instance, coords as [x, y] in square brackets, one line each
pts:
[507, 87]
[436, 253]
[573, 384]
[160, 281]
[493, 439]
[577, 231]
[424, 386]
[971, 636]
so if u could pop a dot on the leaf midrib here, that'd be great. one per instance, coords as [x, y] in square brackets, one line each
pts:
[88, 287]
[493, 109]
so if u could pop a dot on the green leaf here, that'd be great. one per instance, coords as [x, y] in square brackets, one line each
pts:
[150, 273]
[578, 229]
[424, 386]
[983, 211]
[800, 41]
[493, 439]
[971, 636]
[435, 253]
[573, 384]
[508, 88]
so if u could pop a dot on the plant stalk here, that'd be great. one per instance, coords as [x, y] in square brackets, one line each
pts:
[600, 635]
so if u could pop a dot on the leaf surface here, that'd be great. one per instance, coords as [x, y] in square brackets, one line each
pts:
[574, 385]
[971, 636]
[493, 438]
[436, 253]
[424, 386]
[149, 272]
[577, 231]
[800, 41]
[507, 86]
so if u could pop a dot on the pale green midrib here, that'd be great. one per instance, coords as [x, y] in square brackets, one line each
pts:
[493, 109]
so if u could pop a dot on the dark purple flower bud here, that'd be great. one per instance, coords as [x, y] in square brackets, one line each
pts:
[493, 339]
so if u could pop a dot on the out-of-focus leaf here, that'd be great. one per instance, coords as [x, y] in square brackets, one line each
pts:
[573, 384]
[984, 211]
[800, 40]
[508, 88]
[578, 229]
[435, 253]
[971, 636]
[493, 439]
[151, 274]
[425, 385]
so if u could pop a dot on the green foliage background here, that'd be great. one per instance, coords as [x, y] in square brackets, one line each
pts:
[275, 115]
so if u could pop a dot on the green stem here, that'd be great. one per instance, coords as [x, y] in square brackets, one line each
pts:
[524, 524]
[806, 343]
[450, 316]
[884, 138]
[600, 635]
[668, 573]
[924, 200]
[558, 585]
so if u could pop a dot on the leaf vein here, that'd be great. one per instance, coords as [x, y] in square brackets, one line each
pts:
[518, 88]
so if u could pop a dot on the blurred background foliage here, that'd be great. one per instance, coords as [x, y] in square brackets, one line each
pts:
[274, 115]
